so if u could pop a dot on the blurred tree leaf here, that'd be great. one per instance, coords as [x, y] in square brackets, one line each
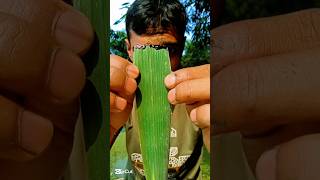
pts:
[193, 56]
[125, 5]
[117, 43]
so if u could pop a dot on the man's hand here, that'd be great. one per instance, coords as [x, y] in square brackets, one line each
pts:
[297, 159]
[122, 88]
[41, 76]
[192, 86]
[266, 85]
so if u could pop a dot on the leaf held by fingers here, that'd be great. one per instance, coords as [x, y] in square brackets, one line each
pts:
[153, 110]
[96, 12]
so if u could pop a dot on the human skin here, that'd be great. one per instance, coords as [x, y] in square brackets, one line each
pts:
[192, 86]
[189, 85]
[266, 85]
[41, 76]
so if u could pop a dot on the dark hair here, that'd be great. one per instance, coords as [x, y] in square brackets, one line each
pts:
[156, 16]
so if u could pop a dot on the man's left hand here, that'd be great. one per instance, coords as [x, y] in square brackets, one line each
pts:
[192, 86]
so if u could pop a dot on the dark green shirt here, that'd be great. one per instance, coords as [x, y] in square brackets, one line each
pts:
[183, 138]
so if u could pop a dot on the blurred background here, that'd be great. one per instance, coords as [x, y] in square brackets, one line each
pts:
[227, 11]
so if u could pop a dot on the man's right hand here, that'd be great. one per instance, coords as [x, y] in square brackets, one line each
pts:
[122, 88]
[266, 85]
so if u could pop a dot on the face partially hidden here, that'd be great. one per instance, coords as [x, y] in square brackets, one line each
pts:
[164, 39]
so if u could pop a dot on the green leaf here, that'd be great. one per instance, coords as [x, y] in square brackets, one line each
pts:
[153, 110]
[91, 110]
[98, 155]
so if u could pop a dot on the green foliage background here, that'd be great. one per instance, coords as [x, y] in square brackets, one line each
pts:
[197, 49]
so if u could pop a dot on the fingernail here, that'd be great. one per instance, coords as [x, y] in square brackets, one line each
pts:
[67, 76]
[130, 86]
[193, 115]
[267, 165]
[121, 103]
[73, 31]
[36, 132]
[170, 80]
[132, 71]
[172, 96]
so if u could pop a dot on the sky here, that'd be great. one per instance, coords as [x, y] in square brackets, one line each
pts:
[116, 13]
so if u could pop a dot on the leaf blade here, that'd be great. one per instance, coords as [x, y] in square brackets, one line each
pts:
[153, 111]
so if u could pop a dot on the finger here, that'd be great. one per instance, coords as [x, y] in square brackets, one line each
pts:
[190, 91]
[66, 76]
[23, 134]
[269, 91]
[121, 82]
[251, 39]
[175, 78]
[297, 159]
[29, 9]
[57, 98]
[13, 56]
[123, 64]
[29, 74]
[117, 103]
[200, 116]
[72, 30]
[257, 140]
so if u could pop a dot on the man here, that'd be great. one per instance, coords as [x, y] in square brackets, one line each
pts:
[151, 22]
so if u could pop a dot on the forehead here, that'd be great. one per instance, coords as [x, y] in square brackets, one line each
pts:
[154, 39]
